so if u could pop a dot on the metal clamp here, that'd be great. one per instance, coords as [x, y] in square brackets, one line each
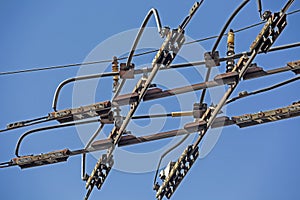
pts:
[212, 59]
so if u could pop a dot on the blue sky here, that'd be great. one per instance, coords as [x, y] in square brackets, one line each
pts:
[260, 162]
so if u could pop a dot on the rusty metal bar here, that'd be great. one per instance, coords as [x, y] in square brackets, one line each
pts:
[209, 84]
[242, 121]
[141, 71]
[264, 40]
[168, 51]
[218, 122]
[255, 72]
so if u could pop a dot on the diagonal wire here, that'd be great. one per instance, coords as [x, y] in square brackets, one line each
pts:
[125, 57]
[246, 94]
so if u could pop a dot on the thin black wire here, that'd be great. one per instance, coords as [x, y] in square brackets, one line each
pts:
[125, 57]
[6, 164]
[50, 128]
[219, 37]
[263, 89]
[283, 83]
[29, 123]
[55, 67]
[167, 152]
[141, 117]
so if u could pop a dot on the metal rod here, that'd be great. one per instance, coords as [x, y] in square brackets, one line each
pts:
[175, 66]
[29, 124]
[127, 140]
[79, 78]
[152, 116]
[263, 90]
[192, 12]
[218, 41]
[49, 128]
[227, 24]
[122, 58]
[259, 7]
[186, 89]
[151, 12]
[166, 153]
[190, 113]
[287, 5]
[88, 144]
[209, 84]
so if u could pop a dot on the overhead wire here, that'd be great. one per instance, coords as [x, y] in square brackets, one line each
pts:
[236, 11]
[88, 144]
[140, 71]
[78, 64]
[149, 116]
[50, 128]
[242, 95]
[125, 57]
[166, 153]
[269, 72]
[151, 12]
[247, 94]
[57, 67]
[215, 46]
[5, 164]
[142, 138]
[29, 123]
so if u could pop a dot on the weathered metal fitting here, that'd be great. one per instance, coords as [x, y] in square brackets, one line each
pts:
[227, 78]
[212, 59]
[199, 109]
[194, 8]
[169, 49]
[195, 126]
[165, 31]
[295, 66]
[127, 72]
[241, 62]
[270, 32]
[243, 93]
[42, 159]
[178, 172]
[254, 71]
[107, 118]
[115, 68]
[266, 15]
[15, 125]
[82, 112]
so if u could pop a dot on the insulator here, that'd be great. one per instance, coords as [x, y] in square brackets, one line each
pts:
[230, 51]
[230, 38]
[115, 68]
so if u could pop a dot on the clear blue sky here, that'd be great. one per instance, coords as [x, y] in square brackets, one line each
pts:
[260, 162]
